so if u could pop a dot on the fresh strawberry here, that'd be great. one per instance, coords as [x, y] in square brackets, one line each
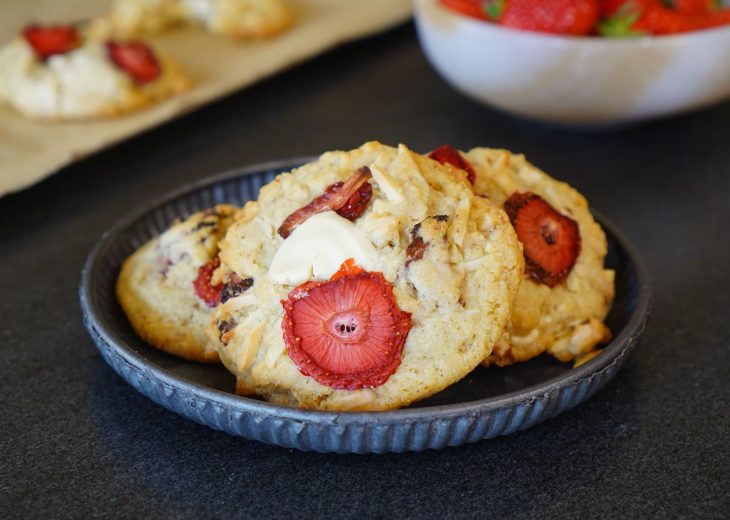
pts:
[662, 20]
[347, 333]
[210, 294]
[611, 8]
[551, 241]
[473, 8]
[349, 200]
[136, 59]
[696, 7]
[640, 17]
[569, 17]
[51, 39]
[446, 154]
[716, 19]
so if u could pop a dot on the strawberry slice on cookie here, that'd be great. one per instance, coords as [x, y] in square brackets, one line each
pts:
[551, 240]
[347, 333]
[204, 289]
[447, 154]
[348, 199]
[135, 58]
[51, 39]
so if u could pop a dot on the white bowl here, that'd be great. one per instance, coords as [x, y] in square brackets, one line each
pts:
[584, 81]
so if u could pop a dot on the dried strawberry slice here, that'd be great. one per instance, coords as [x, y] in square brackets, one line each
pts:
[356, 204]
[446, 154]
[51, 39]
[551, 240]
[347, 333]
[210, 294]
[348, 268]
[349, 200]
[136, 59]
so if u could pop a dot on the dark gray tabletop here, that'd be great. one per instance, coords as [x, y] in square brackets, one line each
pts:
[76, 441]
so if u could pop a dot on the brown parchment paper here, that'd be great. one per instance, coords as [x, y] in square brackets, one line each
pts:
[30, 150]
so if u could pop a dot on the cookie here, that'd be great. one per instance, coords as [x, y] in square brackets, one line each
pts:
[232, 18]
[394, 282]
[240, 18]
[135, 18]
[561, 305]
[54, 72]
[163, 288]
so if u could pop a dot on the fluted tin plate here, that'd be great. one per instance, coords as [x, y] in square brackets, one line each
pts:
[486, 403]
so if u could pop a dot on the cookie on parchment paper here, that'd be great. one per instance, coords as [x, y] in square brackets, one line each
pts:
[57, 73]
[233, 18]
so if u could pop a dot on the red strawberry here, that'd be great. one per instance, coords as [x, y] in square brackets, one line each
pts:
[356, 204]
[661, 20]
[551, 241]
[570, 17]
[446, 154]
[136, 59]
[473, 8]
[51, 39]
[625, 7]
[349, 200]
[695, 7]
[210, 294]
[348, 268]
[347, 333]
[716, 19]
[637, 17]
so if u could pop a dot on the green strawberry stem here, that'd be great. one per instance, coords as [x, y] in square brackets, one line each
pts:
[621, 24]
[494, 9]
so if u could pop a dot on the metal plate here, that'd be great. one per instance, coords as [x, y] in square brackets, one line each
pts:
[486, 403]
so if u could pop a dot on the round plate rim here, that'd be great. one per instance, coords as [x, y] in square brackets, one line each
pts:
[96, 325]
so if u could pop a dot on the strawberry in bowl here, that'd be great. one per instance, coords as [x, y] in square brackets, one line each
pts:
[613, 18]
[587, 63]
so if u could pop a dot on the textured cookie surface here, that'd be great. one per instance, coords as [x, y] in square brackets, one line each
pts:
[239, 18]
[233, 18]
[81, 83]
[452, 259]
[566, 320]
[155, 286]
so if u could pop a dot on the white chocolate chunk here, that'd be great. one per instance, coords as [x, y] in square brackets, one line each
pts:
[317, 249]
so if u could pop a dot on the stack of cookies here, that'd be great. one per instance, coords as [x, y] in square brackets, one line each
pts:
[370, 279]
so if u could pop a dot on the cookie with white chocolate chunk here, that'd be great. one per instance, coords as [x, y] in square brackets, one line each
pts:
[379, 279]
[56, 72]
[232, 18]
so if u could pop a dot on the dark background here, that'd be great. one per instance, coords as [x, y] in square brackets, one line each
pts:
[76, 441]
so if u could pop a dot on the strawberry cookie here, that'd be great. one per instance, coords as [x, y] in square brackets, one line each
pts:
[165, 287]
[379, 279]
[566, 292]
[54, 72]
[233, 18]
